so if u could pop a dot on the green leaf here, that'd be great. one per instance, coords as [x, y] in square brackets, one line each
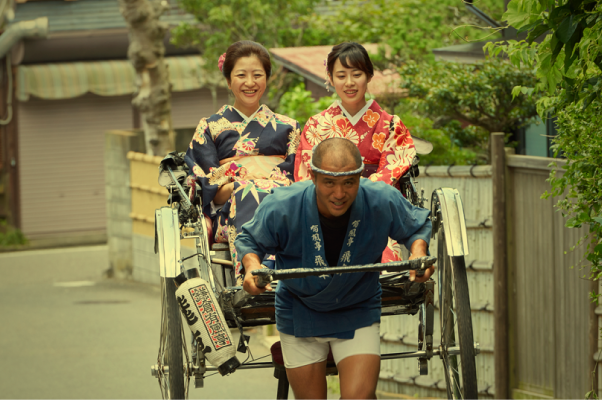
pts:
[598, 62]
[571, 52]
[530, 26]
[516, 17]
[517, 90]
[558, 14]
[537, 32]
[567, 28]
[592, 18]
[588, 100]
[556, 46]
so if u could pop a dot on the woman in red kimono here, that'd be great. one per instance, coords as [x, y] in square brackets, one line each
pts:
[383, 140]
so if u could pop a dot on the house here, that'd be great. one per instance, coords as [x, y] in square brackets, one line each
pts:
[69, 89]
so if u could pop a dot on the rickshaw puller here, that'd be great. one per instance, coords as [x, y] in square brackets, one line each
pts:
[334, 219]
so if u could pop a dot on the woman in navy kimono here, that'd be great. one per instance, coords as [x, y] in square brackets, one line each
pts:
[242, 152]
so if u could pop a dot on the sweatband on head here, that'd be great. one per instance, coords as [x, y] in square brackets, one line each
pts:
[331, 173]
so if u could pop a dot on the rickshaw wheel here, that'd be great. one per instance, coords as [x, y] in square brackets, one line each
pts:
[456, 325]
[170, 351]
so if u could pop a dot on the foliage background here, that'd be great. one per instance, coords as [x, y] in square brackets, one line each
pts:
[408, 31]
[10, 236]
[471, 100]
[568, 63]
[412, 28]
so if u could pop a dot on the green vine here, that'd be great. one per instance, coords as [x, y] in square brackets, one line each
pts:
[568, 64]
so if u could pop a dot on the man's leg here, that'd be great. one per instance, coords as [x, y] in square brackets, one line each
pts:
[309, 381]
[358, 376]
[305, 362]
[358, 362]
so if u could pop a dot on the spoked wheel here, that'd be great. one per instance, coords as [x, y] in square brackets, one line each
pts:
[457, 343]
[174, 381]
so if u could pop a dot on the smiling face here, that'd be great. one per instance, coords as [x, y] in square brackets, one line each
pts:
[335, 195]
[351, 85]
[247, 82]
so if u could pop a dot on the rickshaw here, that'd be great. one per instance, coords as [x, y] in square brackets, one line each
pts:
[181, 359]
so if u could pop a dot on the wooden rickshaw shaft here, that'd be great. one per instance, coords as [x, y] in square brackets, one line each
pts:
[267, 275]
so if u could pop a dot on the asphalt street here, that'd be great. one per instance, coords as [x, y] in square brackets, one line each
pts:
[67, 332]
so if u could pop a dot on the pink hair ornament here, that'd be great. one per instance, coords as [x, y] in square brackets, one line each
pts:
[220, 62]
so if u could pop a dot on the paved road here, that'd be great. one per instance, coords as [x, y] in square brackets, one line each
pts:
[66, 332]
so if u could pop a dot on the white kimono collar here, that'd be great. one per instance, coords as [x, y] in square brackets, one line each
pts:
[247, 119]
[356, 118]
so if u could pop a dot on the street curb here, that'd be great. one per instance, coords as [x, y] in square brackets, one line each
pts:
[57, 242]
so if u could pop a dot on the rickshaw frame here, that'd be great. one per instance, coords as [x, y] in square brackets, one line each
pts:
[183, 219]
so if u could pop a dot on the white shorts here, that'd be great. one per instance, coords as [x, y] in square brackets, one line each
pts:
[298, 352]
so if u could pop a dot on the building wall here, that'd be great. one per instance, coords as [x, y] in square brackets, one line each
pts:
[317, 91]
[61, 152]
[187, 108]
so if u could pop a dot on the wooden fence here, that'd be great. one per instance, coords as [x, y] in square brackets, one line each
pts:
[548, 301]
[546, 330]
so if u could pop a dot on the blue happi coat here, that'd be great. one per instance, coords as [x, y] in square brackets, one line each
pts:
[287, 224]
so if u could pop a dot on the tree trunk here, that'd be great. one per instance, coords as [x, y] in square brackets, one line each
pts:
[146, 52]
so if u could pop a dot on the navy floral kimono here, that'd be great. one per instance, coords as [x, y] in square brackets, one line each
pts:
[257, 153]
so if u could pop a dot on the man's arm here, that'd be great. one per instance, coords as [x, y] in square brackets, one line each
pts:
[252, 262]
[419, 249]
[413, 229]
[255, 241]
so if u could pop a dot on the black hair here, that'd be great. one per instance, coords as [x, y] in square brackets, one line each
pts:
[339, 148]
[246, 48]
[351, 55]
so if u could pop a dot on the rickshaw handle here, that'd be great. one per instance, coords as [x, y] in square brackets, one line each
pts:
[267, 275]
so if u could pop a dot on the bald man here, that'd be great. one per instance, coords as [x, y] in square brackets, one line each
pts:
[336, 219]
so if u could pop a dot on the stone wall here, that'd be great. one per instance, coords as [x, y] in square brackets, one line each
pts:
[130, 232]
[119, 199]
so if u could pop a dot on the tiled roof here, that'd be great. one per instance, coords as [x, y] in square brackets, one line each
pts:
[309, 63]
[83, 15]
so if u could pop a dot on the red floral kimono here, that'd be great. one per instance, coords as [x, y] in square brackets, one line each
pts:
[383, 140]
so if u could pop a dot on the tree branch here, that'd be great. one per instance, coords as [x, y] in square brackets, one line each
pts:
[153, 89]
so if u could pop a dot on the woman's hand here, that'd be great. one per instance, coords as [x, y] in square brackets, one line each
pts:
[223, 193]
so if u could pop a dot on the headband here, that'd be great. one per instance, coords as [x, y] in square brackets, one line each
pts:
[330, 173]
